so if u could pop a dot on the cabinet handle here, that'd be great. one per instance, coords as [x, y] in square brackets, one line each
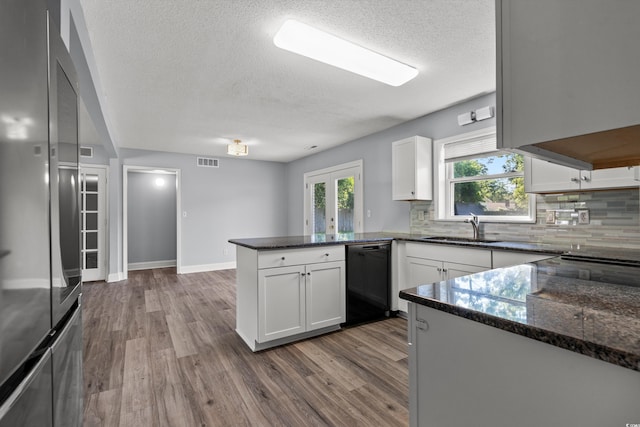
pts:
[576, 180]
[326, 254]
[309, 274]
[439, 270]
[282, 258]
[585, 178]
[577, 315]
[302, 274]
[444, 270]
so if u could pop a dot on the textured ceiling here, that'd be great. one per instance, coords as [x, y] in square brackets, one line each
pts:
[189, 76]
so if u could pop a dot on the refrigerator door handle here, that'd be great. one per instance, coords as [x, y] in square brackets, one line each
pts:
[65, 331]
[24, 385]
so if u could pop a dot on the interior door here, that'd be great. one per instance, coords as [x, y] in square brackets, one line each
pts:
[93, 194]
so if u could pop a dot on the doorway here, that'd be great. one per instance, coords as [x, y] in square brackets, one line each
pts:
[333, 200]
[93, 197]
[156, 193]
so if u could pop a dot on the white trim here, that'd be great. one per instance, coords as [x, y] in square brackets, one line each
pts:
[116, 277]
[207, 267]
[106, 255]
[358, 203]
[133, 266]
[131, 168]
[330, 169]
[440, 181]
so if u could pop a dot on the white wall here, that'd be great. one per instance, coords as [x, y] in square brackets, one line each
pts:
[375, 150]
[241, 198]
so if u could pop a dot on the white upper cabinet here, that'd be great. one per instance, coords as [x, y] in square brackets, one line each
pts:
[544, 177]
[569, 68]
[412, 168]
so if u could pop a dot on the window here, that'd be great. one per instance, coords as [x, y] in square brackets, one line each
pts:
[476, 178]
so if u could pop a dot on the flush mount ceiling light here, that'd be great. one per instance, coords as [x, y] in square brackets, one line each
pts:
[237, 148]
[304, 40]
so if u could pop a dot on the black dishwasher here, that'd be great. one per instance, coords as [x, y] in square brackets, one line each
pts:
[368, 290]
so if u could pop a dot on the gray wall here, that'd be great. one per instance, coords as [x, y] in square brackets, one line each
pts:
[151, 217]
[375, 150]
[241, 198]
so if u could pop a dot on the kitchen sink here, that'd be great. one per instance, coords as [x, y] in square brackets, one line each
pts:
[457, 239]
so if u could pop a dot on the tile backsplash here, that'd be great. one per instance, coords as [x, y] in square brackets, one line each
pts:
[599, 218]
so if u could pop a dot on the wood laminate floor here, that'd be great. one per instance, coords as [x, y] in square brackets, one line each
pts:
[160, 350]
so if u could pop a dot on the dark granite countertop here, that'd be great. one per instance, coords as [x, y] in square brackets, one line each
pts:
[586, 307]
[289, 242]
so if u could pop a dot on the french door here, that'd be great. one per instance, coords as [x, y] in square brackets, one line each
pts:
[93, 195]
[333, 200]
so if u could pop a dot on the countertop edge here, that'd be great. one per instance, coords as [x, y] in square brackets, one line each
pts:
[597, 351]
[280, 243]
[267, 246]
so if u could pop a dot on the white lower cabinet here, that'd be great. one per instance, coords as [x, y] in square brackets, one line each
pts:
[281, 302]
[430, 263]
[296, 299]
[464, 373]
[286, 295]
[326, 295]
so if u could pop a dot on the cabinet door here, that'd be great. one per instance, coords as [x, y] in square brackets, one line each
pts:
[326, 295]
[543, 177]
[411, 169]
[566, 68]
[608, 178]
[281, 302]
[420, 272]
[452, 270]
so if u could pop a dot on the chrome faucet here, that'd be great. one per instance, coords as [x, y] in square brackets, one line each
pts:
[475, 223]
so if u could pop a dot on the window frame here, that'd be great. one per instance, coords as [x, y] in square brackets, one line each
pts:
[444, 181]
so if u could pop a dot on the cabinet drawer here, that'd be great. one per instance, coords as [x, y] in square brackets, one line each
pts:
[457, 254]
[298, 256]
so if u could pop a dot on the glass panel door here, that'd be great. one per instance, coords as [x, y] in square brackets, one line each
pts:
[345, 218]
[319, 203]
[93, 184]
[317, 223]
[333, 202]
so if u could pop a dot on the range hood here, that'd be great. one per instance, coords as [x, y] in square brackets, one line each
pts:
[599, 150]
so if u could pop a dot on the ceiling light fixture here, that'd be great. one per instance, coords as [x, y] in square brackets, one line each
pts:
[237, 148]
[304, 40]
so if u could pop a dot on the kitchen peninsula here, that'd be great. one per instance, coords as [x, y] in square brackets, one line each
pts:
[479, 350]
[293, 287]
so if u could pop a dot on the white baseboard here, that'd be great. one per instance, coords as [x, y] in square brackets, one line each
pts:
[151, 264]
[206, 267]
[115, 277]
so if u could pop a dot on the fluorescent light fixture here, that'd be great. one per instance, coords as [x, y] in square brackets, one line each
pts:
[304, 40]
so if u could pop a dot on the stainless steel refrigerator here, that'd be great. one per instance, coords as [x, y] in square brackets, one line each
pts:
[40, 280]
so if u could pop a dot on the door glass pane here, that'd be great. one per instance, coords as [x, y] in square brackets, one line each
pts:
[91, 203]
[92, 221]
[91, 260]
[91, 182]
[319, 197]
[92, 240]
[345, 197]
